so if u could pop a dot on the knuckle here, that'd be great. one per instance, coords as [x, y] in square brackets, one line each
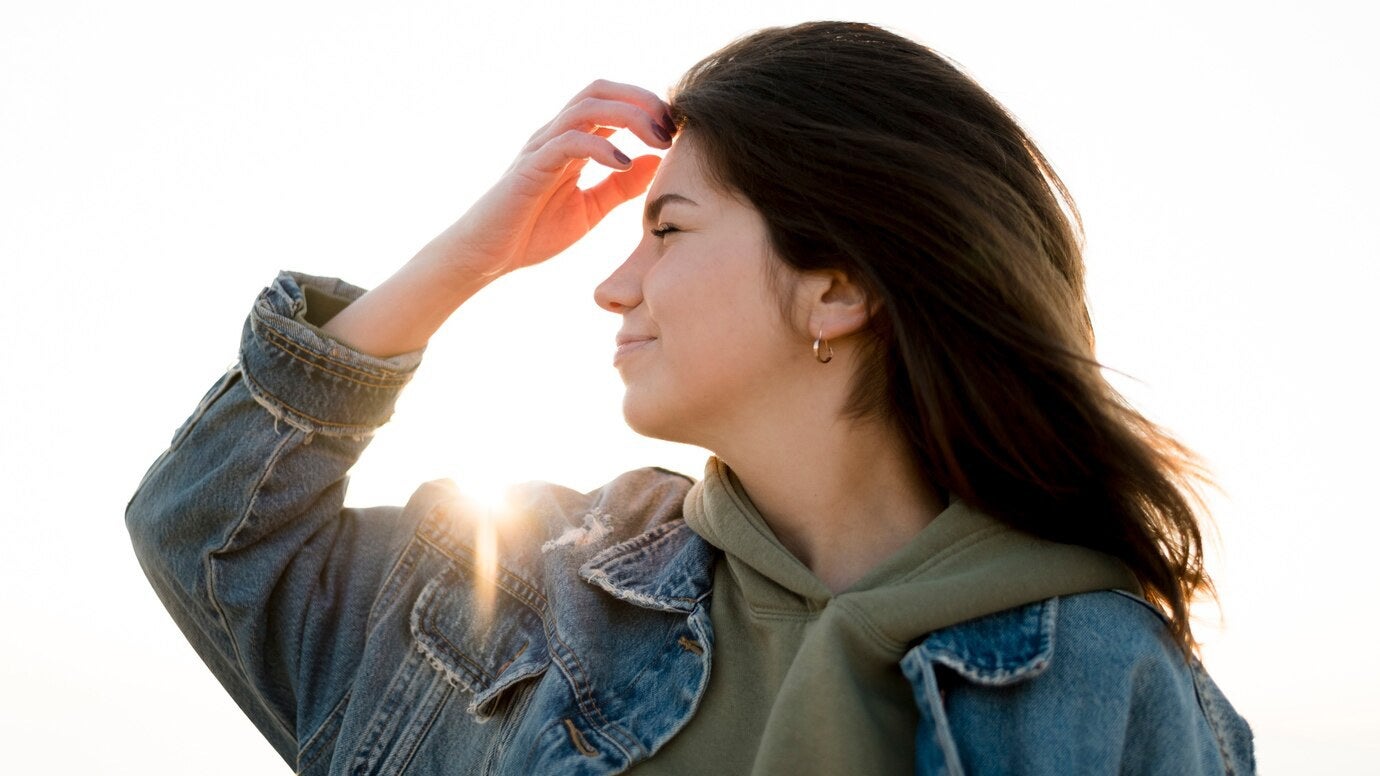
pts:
[584, 105]
[572, 136]
[595, 87]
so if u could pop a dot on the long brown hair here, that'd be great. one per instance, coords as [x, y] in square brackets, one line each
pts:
[870, 154]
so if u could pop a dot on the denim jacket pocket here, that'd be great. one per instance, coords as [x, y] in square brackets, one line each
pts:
[484, 647]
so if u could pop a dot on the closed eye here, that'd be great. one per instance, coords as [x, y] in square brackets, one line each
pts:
[663, 230]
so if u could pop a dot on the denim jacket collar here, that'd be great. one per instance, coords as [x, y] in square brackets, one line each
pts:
[999, 649]
[669, 568]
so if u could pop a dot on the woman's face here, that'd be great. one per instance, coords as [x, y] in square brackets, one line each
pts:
[704, 349]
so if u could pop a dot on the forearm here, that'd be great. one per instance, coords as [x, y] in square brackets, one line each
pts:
[400, 315]
[533, 213]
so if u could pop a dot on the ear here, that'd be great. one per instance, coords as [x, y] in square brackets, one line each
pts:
[836, 305]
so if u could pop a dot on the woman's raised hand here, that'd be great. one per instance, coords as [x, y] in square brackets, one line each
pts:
[533, 213]
[536, 210]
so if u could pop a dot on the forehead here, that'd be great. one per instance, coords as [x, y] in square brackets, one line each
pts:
[682, 172]
[679, 172]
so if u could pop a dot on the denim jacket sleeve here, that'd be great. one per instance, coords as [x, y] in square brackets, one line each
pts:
[240, 525]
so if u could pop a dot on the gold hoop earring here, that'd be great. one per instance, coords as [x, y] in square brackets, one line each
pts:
[829, 349]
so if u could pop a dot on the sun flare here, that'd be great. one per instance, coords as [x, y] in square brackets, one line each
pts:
[491, 508]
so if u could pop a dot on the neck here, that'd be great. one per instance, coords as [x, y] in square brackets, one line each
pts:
[846, 497]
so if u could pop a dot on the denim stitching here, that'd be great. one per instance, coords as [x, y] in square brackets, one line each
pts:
[320, 361]
[394, 581]
[457, 551]
[528, 595]
[316, 741]
[385, 716]
[942, 733]
[584, 695]
[1028, 666]
[415, 743]
[1214, 718]
[283, 409]
[278, 452]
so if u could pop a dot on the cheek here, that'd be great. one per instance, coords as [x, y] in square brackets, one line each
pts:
[713, 305]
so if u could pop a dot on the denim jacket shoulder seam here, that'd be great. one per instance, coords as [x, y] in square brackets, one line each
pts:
[1214, 716]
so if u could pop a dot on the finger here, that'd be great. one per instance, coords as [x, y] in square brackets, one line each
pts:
[648, 101]
[545, 133]
[657, 111]
[621, 186]
[573, 147]
[597, 115]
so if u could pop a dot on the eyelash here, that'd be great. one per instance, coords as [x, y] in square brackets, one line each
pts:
[663, 230]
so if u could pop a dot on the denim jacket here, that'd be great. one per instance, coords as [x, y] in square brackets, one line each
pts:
[380, 641]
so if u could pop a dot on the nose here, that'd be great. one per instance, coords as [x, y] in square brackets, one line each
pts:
[622, 290]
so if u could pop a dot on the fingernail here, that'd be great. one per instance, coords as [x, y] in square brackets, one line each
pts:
[621, 157]
[661, 132]
[668, 122]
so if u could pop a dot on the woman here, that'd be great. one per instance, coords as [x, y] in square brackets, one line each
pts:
[931, 539]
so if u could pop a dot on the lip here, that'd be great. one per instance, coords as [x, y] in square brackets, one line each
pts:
[628, 343]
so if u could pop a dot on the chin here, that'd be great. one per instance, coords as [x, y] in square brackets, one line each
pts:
[648, 418]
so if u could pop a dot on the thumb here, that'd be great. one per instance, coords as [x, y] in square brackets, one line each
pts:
[622, 186]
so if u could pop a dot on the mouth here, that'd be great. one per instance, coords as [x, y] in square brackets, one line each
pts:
[630, 344]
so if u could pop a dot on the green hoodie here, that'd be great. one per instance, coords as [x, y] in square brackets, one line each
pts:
[805, 681]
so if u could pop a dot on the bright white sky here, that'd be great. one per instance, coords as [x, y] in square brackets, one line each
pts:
[160, 162]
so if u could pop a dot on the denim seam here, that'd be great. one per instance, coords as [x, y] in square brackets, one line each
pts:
[942, 732]
[451, 547]
[638, 547]
[333, 720]
[224, 384]
[278, 452]
[455, 662]
[421, 690]
[600, 568]
[519, 702]
[1028, 668]
[584, 696]
[185, 430]
[1210, 712]
[403, 569]
[433, 628]
[283, 408]
[324, 363]
[446, 692]
[528, 595]
[385, 717]
[469, 663]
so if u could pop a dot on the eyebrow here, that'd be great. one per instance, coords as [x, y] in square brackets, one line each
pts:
[653, 209]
